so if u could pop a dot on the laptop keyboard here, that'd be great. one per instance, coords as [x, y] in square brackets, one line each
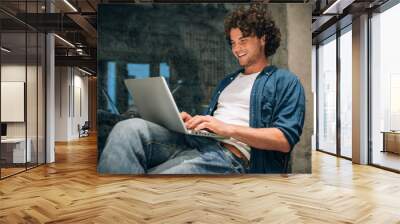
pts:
[202, 133]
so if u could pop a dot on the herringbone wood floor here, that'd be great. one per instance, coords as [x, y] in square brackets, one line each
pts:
[70, 191]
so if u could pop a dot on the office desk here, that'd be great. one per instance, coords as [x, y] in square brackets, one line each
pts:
[391, 141]
[13, 150]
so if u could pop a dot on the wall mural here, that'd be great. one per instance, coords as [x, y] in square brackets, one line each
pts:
[184, 43]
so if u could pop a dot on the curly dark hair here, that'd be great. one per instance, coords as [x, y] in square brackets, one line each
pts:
[254, 21]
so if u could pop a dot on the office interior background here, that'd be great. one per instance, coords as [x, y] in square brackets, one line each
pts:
[356, 81]
[49, 90]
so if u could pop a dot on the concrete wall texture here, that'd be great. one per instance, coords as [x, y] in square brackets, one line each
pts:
[299, 62]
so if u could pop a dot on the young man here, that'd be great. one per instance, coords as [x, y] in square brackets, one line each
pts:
[259, 108]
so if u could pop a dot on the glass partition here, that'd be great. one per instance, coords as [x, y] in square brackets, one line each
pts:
[13, 95]
[327, 95]
[346, 93]
[385, 89]
[22, 90]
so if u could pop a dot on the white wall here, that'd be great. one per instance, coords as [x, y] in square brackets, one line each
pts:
[79, 112]
[16, 73]
[61, 103]
[71, 87]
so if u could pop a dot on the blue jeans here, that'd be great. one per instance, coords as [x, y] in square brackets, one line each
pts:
[136, 146]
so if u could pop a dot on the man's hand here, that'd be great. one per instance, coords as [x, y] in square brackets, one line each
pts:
[209, 122]
[185, 116]
[261, 138]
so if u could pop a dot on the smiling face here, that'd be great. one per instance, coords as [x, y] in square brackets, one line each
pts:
[249, 51]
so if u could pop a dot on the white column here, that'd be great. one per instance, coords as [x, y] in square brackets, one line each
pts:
[360, 90]
[50, 93]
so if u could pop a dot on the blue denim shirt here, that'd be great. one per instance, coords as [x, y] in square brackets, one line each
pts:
[277, 100]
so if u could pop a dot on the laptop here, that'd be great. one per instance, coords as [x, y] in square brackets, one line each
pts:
[156, 104]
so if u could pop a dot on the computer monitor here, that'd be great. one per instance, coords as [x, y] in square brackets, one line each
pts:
[3, 129]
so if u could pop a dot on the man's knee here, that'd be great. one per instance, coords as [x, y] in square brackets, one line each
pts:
[129, 126]
[123, 138]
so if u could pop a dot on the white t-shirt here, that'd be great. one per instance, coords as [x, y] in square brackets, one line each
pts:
[234, 106]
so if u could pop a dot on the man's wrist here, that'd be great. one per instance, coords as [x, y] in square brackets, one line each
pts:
[231, 130]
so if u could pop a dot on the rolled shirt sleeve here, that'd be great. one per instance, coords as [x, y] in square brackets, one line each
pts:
[289, 112]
